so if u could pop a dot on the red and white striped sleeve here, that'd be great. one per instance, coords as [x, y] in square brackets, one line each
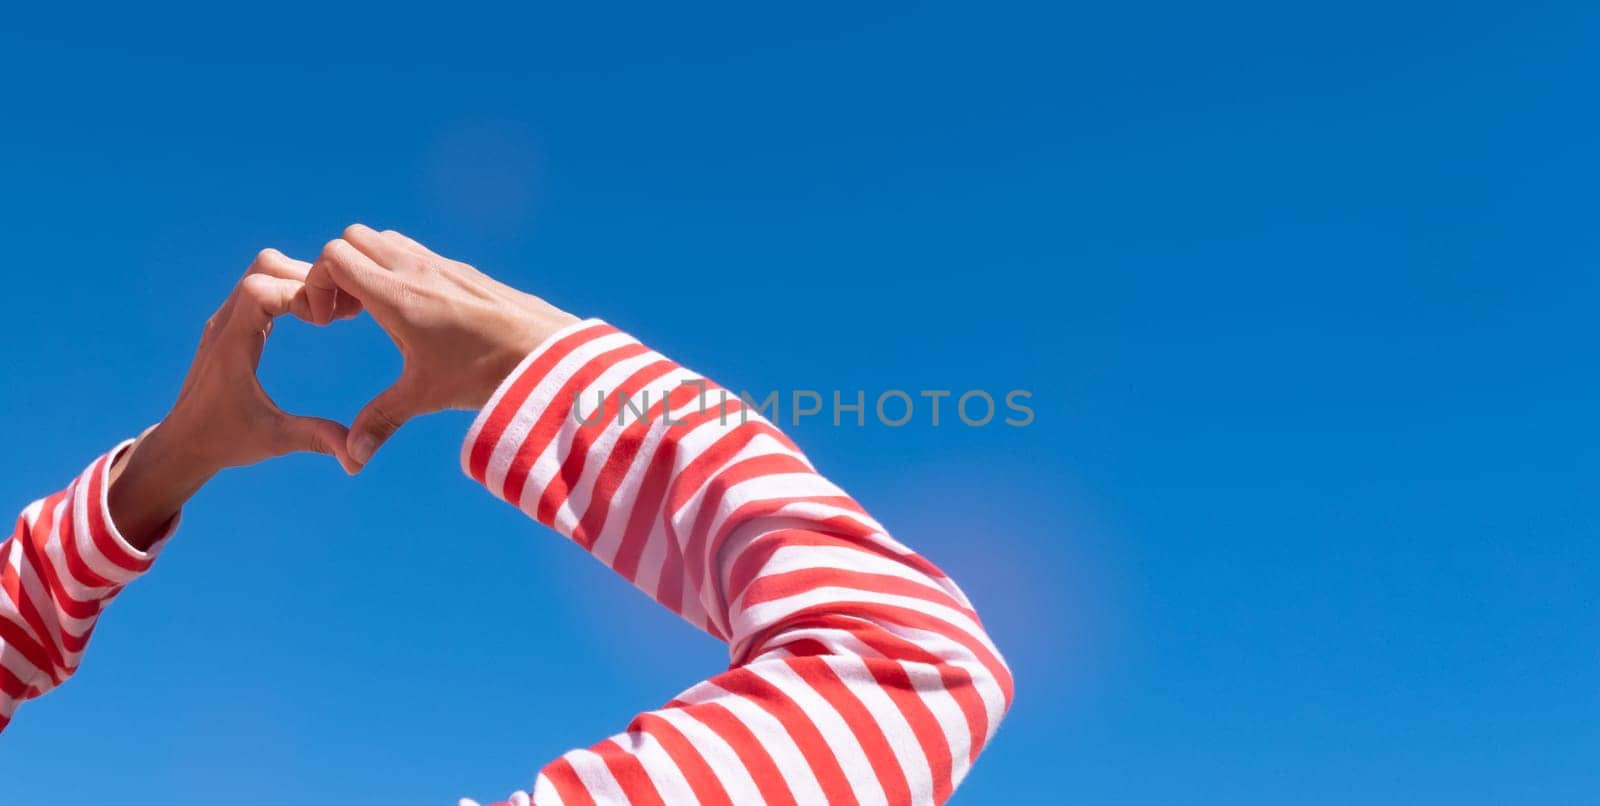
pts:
[61, 566]
[859, 672]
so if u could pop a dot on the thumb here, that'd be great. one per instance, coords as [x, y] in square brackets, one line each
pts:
[380, 419]
[316, 435]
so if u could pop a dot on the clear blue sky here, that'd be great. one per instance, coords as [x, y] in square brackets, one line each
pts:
[1306, 298]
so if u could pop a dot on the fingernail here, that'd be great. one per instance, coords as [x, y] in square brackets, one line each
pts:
[362, 450]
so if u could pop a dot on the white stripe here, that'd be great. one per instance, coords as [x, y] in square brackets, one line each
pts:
[663, 771]
[831, 725]
[700, 439]
[845, 558]
[540, 398]
[957, 656]
[684, 519]
[582, 493]
[609, 542]
[837, 641]
[902, 739]
[596, 776]
[547, 465]
[798, 776]
[773, 611]
[15, 662]
[722, 759]
[775, 488]
[925, 678]
[90, 553]
[476, 429]
[544, 792]
[55, 554]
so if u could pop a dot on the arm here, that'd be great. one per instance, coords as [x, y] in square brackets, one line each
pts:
[71, 553]
[859, 672]
[64, 562]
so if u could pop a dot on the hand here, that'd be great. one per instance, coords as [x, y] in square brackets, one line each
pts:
[460, 331]
[222, 417]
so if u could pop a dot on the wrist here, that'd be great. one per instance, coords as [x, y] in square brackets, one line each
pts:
[526, 323]
[169, 451]
[535, 321]
[152, 481]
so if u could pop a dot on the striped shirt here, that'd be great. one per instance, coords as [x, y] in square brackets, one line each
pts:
[64, 561]
[859, 673]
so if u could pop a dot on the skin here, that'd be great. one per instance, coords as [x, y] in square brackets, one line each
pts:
[460, 333]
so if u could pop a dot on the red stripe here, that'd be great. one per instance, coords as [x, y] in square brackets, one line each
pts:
[12, 685]
[703, 467]
[554, 416]
[956, 680]
[753, 510]
[833, 531]
[700, 468]
[36, 556]
[885, 765]
[892, 614]
[643, 507]
[612, 474]
[99, 533]
[702, 779]
[755, 556]
[577, 453]
[494, 426]
[47, 527]
[710, 504]
[567, 783]
[15, 637]
[819, 756]
[893, 679]
[763, 770]
[630, 774]
[669, 585]
[791, 583]
[28, 609]
[33, 561]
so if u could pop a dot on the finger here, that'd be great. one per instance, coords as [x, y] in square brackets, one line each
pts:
[405, 242]
[272, 262]
[260, 298]
[315, 435]
[321, 292]
[346, 306]
[391, 253]
[381, 418]
[341, 270]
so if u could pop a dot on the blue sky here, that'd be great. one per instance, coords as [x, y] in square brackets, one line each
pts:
[1307, 513]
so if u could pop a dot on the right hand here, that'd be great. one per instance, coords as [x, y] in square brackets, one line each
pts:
[460, 331]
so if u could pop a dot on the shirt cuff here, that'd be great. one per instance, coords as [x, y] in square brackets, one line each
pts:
[536, 397]
[96, 536]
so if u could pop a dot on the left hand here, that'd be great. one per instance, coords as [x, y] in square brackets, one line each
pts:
[222, 417]
[222, 411]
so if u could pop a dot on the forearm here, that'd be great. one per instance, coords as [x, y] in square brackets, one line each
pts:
[150, 483]
[65, 561]
[860, 670]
